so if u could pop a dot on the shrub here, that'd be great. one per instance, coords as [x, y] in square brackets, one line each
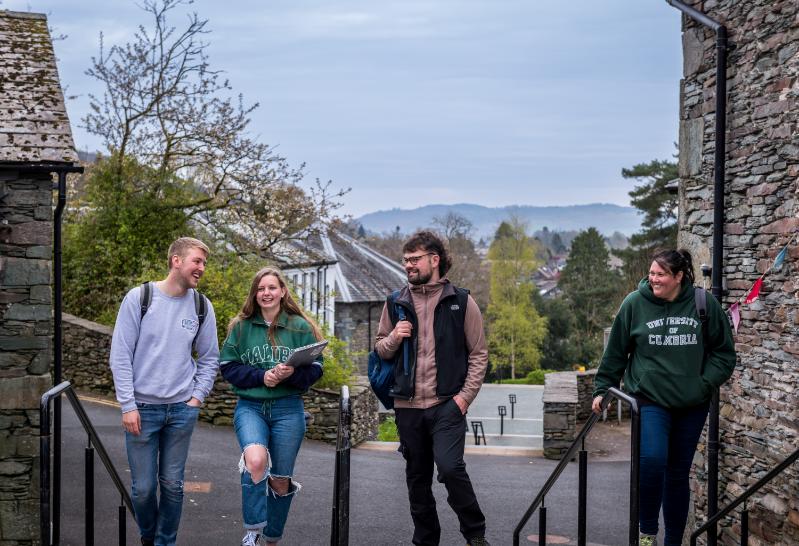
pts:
[387, 431]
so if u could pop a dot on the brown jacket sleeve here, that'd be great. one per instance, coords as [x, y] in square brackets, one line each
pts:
[478, 352]
[386, 344]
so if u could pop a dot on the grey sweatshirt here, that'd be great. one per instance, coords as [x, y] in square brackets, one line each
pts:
[151, 359]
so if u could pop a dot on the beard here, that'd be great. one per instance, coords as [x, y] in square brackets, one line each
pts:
[419, 278]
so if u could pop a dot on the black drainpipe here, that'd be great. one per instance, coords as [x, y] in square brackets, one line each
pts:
[718, 238]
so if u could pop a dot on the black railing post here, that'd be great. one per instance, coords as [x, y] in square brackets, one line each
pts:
[542, 525]
[583, 497]
[745, 526]
[123, 532]
[89, 497]
[635, 471]
[340, 528]
[44, 471]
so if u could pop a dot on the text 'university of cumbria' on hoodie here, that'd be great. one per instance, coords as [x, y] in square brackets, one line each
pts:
[658, 347]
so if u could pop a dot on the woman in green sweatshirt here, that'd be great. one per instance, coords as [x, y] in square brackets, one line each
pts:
[671, 367]
[269, 418]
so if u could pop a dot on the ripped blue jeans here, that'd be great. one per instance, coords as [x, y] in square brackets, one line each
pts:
[279, 426]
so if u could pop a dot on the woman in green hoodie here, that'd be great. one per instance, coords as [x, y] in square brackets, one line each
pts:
[671, 367]
[269, 418]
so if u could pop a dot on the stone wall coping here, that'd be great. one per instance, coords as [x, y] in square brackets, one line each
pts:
[88, 324]
[560, 387]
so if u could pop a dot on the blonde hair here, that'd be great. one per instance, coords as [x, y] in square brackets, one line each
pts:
[180, 247]
[287, 305]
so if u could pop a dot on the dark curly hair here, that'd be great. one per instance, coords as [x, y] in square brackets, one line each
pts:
[676, 260]
[430, 242]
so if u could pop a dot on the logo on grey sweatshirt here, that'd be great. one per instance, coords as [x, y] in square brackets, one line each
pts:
[190, 324]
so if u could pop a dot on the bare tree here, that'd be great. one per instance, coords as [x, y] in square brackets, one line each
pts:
[163, 107]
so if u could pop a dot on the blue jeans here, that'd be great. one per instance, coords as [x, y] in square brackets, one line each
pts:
[279, 426]
[158, 456]
[668, 443]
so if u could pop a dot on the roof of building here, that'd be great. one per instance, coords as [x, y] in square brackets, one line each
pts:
[34, 126]
[361, 274]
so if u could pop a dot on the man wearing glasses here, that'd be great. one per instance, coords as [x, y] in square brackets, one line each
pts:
[446, 363]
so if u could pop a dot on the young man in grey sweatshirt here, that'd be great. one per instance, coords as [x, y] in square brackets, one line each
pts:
[160, 387]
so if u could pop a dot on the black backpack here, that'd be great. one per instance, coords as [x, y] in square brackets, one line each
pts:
[381, 372]
[200, 306]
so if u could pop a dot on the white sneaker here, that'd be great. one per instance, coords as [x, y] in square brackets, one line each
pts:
[251, 538]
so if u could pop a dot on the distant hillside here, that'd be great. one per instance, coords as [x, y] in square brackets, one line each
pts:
[606, 218]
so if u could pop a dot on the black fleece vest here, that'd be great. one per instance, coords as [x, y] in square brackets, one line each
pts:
[452, 357]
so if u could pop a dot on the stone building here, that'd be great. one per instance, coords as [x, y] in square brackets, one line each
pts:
[760, 405]
[35, 141]
[343, 282]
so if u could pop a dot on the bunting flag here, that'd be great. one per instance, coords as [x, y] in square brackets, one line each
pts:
[779, 259]
[754, 292]
[735, 316]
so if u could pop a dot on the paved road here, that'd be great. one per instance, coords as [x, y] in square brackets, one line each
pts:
[379, 510]
[525, 429]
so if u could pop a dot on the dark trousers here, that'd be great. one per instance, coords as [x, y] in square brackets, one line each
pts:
[437, 435]
[668, 443]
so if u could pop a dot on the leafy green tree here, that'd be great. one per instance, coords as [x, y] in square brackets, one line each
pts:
[659, 226]
[557, 351]
[591, 290]
[515, 329]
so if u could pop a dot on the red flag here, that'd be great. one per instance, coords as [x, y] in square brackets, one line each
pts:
[735, 315]
[754, 292]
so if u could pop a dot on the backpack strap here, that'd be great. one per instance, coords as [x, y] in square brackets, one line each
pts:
[700, 300]
[201, 308]
[146, 298]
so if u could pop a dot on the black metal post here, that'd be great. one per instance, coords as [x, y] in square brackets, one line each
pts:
[340, 529]
[719, 167]
[582, 497]
[89, 497]
[502, 412]
[44, 473]
[512, 400]
[542, 525]
[123, 535]
[635, 472]
[745, 527]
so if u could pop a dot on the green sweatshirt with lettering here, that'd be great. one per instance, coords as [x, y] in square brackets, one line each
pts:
[657, 346]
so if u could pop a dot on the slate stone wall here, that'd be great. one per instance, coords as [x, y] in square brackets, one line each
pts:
[26, 228]
[760, 405]
[353, 322]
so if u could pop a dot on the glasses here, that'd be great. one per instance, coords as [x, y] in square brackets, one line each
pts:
[413, 260]
[658, 275]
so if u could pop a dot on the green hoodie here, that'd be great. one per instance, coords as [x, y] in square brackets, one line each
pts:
[658, 346]
[249, 344]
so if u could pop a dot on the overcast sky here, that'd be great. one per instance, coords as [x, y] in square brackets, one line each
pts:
[412, 102]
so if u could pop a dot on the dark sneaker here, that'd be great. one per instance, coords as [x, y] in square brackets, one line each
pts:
[147, 542]
[478, 541]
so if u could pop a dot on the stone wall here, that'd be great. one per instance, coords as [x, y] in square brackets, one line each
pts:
[353, 327]
[759, 414]
[560, 413]
[26, 228]
[86, 349]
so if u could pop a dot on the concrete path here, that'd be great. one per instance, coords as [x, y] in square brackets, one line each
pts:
[379, 509]
[525, 429]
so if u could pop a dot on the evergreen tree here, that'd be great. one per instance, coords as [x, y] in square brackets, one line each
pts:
[591, 289]
[659, 226]
[515, 329]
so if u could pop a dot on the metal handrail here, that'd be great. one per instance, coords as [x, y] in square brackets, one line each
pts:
[569, 455]
[65, 388]
[774, 472]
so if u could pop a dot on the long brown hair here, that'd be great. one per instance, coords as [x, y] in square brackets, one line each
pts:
[287, 305]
